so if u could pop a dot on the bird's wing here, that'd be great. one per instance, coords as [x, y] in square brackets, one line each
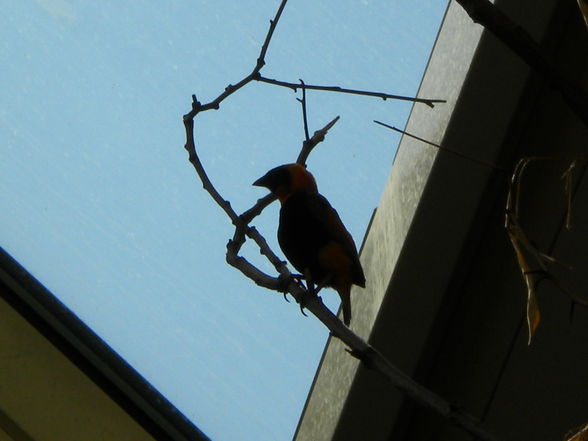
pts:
[326, 215]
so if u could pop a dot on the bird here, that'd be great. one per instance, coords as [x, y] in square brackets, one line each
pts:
[312, 235]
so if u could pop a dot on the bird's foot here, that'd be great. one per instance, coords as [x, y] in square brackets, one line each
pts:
[309, 294]
[284, 281]
[298, 277]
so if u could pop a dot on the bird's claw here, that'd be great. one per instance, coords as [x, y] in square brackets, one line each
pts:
[302, 310]
[284, 281]
[310, 292]
[298, 277]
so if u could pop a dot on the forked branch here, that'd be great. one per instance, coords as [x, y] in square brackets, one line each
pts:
[256, 75]
[286, 283]
[294, 86]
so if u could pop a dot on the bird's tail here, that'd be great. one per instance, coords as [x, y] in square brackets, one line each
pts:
[344, 293]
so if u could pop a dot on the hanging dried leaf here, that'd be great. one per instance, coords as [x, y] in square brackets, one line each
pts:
[583, 4]
[532, 277]
[533, 314]
[577, 434]
[532, 262]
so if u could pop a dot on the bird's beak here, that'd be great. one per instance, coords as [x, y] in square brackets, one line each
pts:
[264, 181]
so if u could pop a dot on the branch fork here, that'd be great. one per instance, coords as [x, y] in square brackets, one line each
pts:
[285, 282]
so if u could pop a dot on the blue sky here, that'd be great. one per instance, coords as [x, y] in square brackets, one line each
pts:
[99, 202]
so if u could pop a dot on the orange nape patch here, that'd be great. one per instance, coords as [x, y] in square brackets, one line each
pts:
[334, 260]
[301, 179]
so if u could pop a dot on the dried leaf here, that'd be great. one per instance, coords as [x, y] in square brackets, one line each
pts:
[547, 258]
[517, 238]
[533, 314]
[583, 4]
[533, 263]
[577, 434]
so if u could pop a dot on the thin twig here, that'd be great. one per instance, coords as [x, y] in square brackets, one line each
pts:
[357, 346]
[532, 262]
[230, 89]
[268, 37]
[258, 207]
[445, 149]
[287, 283]
[304, 113]
[295, 86]
[310, 144]
[408, 134]
[307, 146]
[190, 147]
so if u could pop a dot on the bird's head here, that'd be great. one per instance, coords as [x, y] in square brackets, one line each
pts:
[285, 180]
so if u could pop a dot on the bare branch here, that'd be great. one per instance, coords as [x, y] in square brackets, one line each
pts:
[230, 89]
[520, 42]
[285, 282]
[268, 37]
[532, 262]
[304, 113]
[357, 346]
[307, 146]
[259, 206]
[445, 149]
[252, 272]
[190, 146]
[295, 86]
[408, 134]
[310, 144]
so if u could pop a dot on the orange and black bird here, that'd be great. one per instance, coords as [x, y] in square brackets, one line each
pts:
[311, 234]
